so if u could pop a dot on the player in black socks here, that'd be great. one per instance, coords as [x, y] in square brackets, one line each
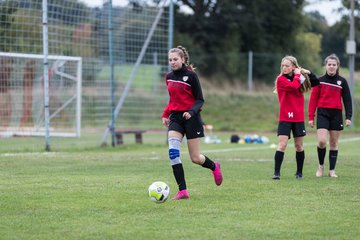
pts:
[290, 86]
[328, 99]
[182, 117]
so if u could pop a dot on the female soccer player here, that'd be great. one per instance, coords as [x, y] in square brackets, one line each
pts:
[182, 117]
[290, 86]
[326, 98]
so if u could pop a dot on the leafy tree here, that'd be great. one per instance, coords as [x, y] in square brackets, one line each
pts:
[309, 55]
[230, 60]
[229, 28]
[7, 8]
[24, 29]
[334, 40]
[315, 22]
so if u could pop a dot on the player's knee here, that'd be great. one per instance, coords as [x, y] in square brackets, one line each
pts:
[333, 144]
[174, 150]
[174, 153]
[299, 147]
[322, 143]
[282, 146]
[196, 159]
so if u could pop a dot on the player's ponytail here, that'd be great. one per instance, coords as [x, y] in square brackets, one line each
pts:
[306, 85]
[186, 58]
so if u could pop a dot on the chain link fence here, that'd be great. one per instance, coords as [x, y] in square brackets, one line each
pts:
[109, 40]
[119, 55]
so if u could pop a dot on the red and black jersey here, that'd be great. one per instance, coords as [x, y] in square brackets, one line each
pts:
[329, 93]
[290, 98]
[185, 92]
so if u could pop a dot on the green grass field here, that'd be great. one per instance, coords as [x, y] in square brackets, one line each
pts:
[101, 193]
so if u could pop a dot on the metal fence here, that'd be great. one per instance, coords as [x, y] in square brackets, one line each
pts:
[123, 52]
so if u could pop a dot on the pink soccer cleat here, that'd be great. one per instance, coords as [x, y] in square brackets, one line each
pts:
[217, 174]
[183, 194]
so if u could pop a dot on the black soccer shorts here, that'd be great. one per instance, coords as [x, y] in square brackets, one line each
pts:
[297, 128]
[330, 119]
[192, 128]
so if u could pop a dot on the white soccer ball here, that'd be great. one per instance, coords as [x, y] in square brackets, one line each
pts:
[159, 192]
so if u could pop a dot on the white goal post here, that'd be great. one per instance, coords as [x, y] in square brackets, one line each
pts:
[22, 95]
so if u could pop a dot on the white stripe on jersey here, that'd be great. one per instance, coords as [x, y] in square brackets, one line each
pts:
[178, 82]
[330, 84]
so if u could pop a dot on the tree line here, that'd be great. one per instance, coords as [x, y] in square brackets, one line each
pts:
[218, 32]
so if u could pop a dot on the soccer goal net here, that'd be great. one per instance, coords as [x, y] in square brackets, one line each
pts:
[22, 95]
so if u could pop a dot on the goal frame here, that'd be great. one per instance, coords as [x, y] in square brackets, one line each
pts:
[8, 132]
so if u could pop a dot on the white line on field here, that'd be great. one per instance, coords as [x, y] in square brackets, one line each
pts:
[250, 148]
[258, 147]
[25, 154]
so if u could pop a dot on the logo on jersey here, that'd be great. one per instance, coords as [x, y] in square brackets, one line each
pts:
[290, 114]
[338, 83]
[185, 78]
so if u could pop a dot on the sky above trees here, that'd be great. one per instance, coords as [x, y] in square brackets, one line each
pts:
[326, 8]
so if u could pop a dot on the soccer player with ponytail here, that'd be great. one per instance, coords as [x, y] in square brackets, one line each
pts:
[290, 86]
[182, 117]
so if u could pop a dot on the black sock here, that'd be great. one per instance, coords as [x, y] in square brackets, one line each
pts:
[332, 158]
[178, 171]
[279, 156]
[208, 164]
[300, 157]
[321, 155]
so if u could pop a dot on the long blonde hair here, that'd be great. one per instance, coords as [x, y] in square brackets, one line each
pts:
[183, 54]
[306, 86]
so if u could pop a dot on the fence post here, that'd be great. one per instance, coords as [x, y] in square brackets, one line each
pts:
[250, 72]
[111, 63]
[170, 27]
[351, 51]
[46, 73]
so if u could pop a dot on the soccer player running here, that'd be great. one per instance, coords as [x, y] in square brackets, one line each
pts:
[182, 117]
[290, 86]
[326, 99]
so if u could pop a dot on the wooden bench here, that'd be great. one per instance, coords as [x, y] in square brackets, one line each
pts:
[137, 133]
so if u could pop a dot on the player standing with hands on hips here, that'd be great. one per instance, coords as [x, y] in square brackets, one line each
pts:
[182, 117]
[290, 86]
[326, 98]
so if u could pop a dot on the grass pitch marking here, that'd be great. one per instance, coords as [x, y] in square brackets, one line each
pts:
[267, 147]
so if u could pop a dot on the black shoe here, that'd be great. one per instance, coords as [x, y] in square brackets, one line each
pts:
[299, 176]
[276, 176]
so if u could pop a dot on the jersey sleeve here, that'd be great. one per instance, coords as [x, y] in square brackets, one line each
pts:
[313, 79]
[346, 97]
[167, 111]
[197, 93]
[284, 84]
[313, 102]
